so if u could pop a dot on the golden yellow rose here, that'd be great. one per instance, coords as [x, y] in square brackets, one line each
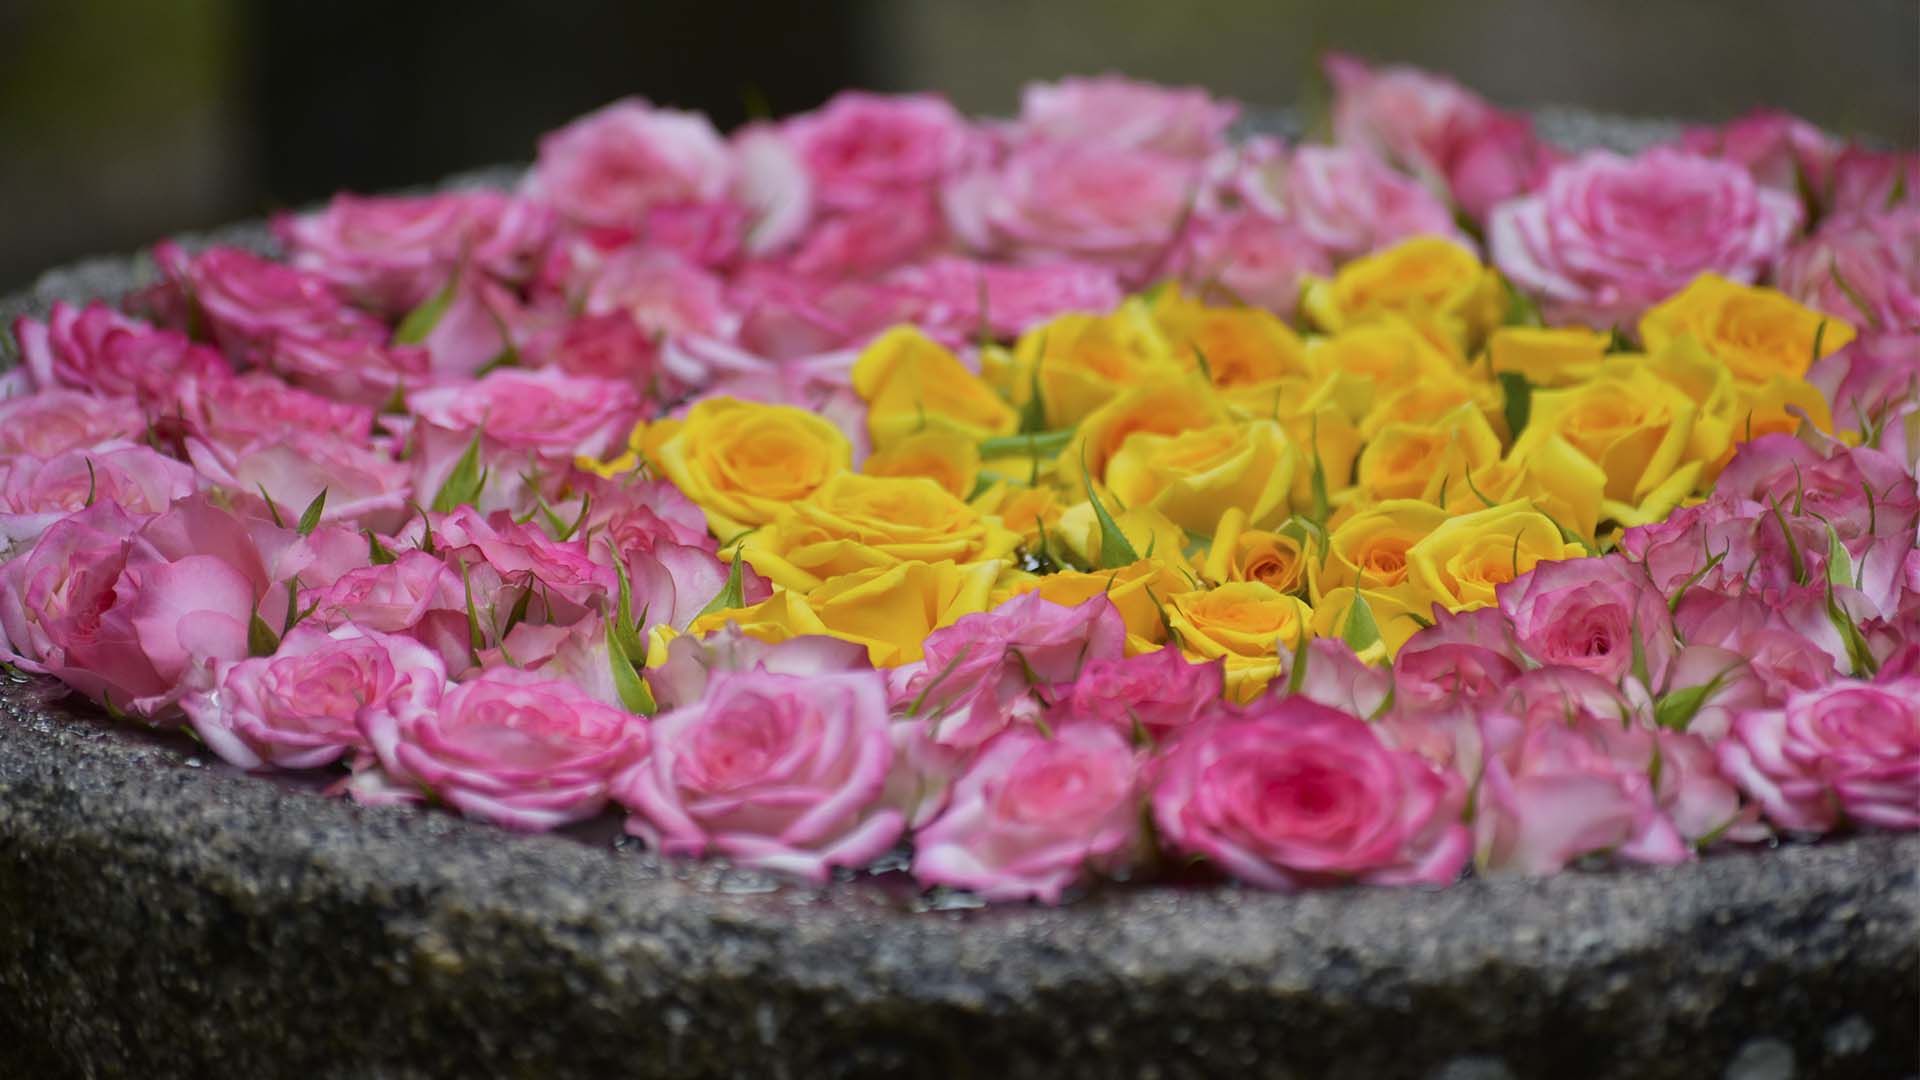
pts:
[1164, 406]
[1193, 475]
[912, 383]
[1080, 362]
[1425, 402]
[1239, 347]
[1556, 478]
[1459, 563]
[1548, 356]
[1148, 532]
[1368, 550]
[1410, 460]
[1276, 560]
[1244, 622]
[1376, 361]
[890, 610]
[742, 462]
[857, 522]
[1637, 427]
[1431, 282]
[1028, 511]
[1394, 613]
[1756, 332]
[947, 458]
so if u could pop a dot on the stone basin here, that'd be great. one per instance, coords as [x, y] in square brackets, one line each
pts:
[163, 915]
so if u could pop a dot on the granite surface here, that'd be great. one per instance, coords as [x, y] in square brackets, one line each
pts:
[162, 915]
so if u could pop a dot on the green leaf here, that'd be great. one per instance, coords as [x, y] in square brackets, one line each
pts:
[1640, 668]
[92, 481]
[463, 485]
[1676, 710]
[1359, 629]
[732, 594]
[273, 508]
[1116, 550]
[1519, 398]
[634, 693]
[1033, 415]
[625, 629]
[1839, 563]
[476, 640]
[1033, 443]
[1618, 342]
[1522, 310]
[921, 698]
[377, 553]
[1297, 675]
[1322, 506]
[1200, 356]
[1819, 338]
[1852, 294]
[310, 517]
[421, 320]
[1859, 654]
[261, 640]
[1793, 546]
[1673, 602]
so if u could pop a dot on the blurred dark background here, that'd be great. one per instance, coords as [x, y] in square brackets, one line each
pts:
[125, 120]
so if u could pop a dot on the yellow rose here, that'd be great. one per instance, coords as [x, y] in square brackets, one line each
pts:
[1763, 410]
[1028, 511]
[1548, 356]
[1240, 347]
[1137, 591]
[1459, 564]
[1757, 332]
[1425, 402]
[1555, 477]
[1376, 361]
[1194, 475]
[742, 462]
[890, 610]
[912, 383]
[857, 522]
[1637, 427]
[1246, 623]
[1081, 361]
[1396, 616]
[1165, 406]
[1148, 532]
[1237, 553]
[1433, 283]
[1369, 549]
[947, 458]
[779, 617]
[1406, 461]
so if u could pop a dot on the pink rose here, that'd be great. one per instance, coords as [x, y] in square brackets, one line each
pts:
[1287, 794]
[1869, 181]
[1489, 159]
[1157, 694]
[1464, 658]
[956, 299]
[1349, 203]
[1776, 652]
[1601, 615]
[1562, 693]
[693, 662]
[352, 362]
[236, 409]
[1782, 151]
[296, 708]
[784, 317]
[1848, 748]
[503, 554]
[1401, 113]
[417, 594]
[772, 183]
[981, 673]
[35, 494]
[392, 252]
[663, 293]
[1875, 378]
[776, 772]
[364, 487]
[101, 351]
[672, 578]
[1608, 237]
[1068, 200]
[1032, 813]
[610, 167]
[1247, 257]
[48, 422]
[706, 234]
[861, 149]
[508, 746]
[871, 239]
[249, 301]
[1336, 677]
[610, 346]
[1111, 110]
[1862, 268]
[527, 421]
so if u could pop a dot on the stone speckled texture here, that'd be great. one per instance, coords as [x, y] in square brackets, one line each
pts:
[162, 915]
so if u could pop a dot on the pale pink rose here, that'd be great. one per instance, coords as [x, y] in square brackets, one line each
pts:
[1350, 203]
[250, 301]
[137, 613]
[1553, 788]
[1336, 677]
[527, 421]
[1848, 749]
[1693, 793]
[1464, 658]
[1155, 694]
[1033, 813]
[1601, 615]
[1777, 653]
[871, 239]
[1862, 268]
[662, 293]
[1402, 114]
[1718, 683]
[772, 183]
[34, 494]
[1247, 257]
[610, 167]
[236, 409]
[674, 515]
[862, 148]
[296, 708]
[672, 580]
[391, 252]
[784, 317]
[706, 234]
[982, 672]
[1868, 382]
[502, 554]
[1561, 694]
[692, 662]
[1116, 207]
[957, 299]
[417, 594]
[1287, 794]
[1607, 237]
[776, 772]
[475, 329]
[1111, 110]
[1675, 550]
[101, 351]
[364, 487]
[48, 422]
[1782, 151]
[508, 746]
[1869, 181]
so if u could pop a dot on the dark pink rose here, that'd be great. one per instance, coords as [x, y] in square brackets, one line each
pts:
[1781, 150]
[508, 746]
[1033, 813]
[706, 234]
[1247, 257]
[391, 252]
[1862, 268]
[1607, 237]
[862, 148]
[1847, 749]
[529, 422]
[508, 557]
[48, 422]
[364, 487]
[1489, 159]
[610, 167]
[250, 301]
[1155, 694]
[784, 317]
[1601, 615]
[101, 351]
[296, 708]
[776, 772]
[1869, 181]
[1111, 110]
[1287, 794]
[610, 346]
[236, 409]
[956, 299]
[352, 363]
[34, 494]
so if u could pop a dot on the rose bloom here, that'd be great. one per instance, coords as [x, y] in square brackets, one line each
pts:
[1863, 268]
[296, 709]
[392, 252]
[1874, 378]
[1111, 110]
[861, 148]
[957, 299]
[566, 581]
[1782, 151]
[250, 301]
[363, 486]
[1288, 794]
[1607, 236]
[1874, 180]
[35, 494]
[508, 746]
[1847, 749]
[1350, 203]
[417, 595]
[871, 239]
[1599, 614]
[1033, 813]
[776, 772]
[1156, 693]
[101, 351]
[47, 422]
[663, 293]
[607, 169]
[1246, 257]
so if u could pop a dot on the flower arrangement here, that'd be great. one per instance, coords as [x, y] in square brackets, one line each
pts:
[1087, 495]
